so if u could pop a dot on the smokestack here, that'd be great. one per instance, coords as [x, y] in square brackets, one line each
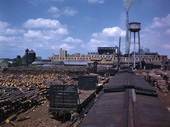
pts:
[127, 5]
[127, 43]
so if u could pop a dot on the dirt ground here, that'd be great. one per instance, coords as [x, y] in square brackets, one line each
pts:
[38, 117]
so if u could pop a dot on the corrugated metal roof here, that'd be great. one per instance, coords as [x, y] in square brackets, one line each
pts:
[74, 63]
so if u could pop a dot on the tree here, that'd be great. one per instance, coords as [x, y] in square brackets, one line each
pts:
[17, 61]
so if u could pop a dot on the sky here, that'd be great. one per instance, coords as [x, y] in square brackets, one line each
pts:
[80, 26]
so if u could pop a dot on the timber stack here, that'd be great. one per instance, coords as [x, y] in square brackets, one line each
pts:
[21, 89]
[15, 101]
[159, 79]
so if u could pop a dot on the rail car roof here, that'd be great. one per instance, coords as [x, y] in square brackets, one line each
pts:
[130, 107]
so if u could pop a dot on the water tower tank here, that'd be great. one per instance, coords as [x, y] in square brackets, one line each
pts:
[134, 26]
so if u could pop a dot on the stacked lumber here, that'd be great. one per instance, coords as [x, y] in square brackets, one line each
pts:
[15, 101]
[24, 88]
[157, 78]
[47, 70]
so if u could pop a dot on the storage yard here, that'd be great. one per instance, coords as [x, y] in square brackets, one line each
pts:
[24, 97]
[24, 94]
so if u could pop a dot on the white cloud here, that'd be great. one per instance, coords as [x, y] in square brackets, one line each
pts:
[5, 30]
[45, 34]
[161, 22]
[96, 1]
[33, 34]
[9, 39]
[97, 43]
[108, 37]
[70, 11]
[3, 25]
[114, 31]
[156, 36]
[94, 43]
[55, 12]
[66, 46]
[62, 31]
[53, 9]
[11, 31]
[110, 32]
[42, 23]
[70, 39]
[14, 31]
[46, 29]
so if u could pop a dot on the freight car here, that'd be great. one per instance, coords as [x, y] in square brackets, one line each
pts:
[127, 101]
[66, 100]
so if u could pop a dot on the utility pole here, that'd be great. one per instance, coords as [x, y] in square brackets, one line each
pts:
[119, 53]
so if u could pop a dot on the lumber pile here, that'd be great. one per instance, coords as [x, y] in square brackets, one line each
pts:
[15, 101]
[24, 88]
[157, 78]
[47, 70]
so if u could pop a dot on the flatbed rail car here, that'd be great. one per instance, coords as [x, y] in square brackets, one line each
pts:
[127, 101]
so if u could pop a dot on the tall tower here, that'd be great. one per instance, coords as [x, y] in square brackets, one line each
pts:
[63, 54]
[127, 43]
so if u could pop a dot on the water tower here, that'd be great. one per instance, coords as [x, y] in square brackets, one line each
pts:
[134, 27]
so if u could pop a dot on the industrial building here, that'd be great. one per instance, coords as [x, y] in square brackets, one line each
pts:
[108, 58]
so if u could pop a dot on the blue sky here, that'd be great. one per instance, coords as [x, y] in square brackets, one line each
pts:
[79, 25]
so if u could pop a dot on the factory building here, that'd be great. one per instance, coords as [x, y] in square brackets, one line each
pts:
[106, 58]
